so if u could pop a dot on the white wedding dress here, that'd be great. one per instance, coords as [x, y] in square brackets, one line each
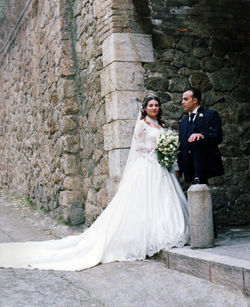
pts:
[148, 213]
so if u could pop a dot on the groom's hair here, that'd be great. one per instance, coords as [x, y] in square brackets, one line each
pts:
[196, 93]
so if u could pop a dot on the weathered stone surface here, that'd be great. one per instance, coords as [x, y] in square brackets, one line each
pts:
[72, 183]
[247, 281]
[66, 89]
[224, 79]
[92, 212]
[201, 81]
[122, 76]
[69, 164]
[72, 204]
[71, 197]
[163, 41]
[185, 44]
[74, 215]
[123, 105]
[127, 47]
[117, 161]
[172, 109]
[158, 84]
[210, 64]
[200, 216]
[227, 275]
[118, 134]
[178, 85]
[211, 98]
[191, 62]
[71, 143]
[195, 267]
[242, 93]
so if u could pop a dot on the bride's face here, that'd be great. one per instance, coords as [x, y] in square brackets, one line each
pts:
[152, 108]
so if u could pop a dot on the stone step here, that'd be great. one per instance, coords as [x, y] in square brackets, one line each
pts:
[219, 269]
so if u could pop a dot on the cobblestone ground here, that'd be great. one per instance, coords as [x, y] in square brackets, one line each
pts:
[139, 283]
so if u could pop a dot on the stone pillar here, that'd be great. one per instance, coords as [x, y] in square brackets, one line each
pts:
[122, 86]
[200, 216]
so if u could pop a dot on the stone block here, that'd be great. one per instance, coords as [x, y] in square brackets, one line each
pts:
[188, 265]
[227, 275]
[71, 198]
[75, 215]
[67, 68]
[122, 76]
[224, 79]
[117, 162]
[101, 168]
[200, 80]
[92, 212]
[200, 216]
[99, 6]
[247, 281]
[118, 134]
[69, 165]
[91, 197]
[72, 183]
[163, 41]
[127, 47]
[164, 256]
[66, 89]
[67, 124]
[178, 85]
[123, 105]
[111, 188]
[101, 198]
[70, 143]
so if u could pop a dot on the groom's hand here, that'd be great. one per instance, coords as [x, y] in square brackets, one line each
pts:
[195, 136]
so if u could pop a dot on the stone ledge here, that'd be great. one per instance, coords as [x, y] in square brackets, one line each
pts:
[224, 270]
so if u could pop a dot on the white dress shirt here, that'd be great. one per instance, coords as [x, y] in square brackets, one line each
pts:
[194, 112]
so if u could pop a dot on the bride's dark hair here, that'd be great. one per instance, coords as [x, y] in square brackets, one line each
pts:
[145, 102]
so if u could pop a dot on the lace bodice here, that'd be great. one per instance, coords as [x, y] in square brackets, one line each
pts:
[145, 136]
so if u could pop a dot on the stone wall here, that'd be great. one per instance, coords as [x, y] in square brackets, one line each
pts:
[206, 44]
[71, 78]
[40, 112]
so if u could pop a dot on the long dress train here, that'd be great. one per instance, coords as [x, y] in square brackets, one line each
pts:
[148, 213]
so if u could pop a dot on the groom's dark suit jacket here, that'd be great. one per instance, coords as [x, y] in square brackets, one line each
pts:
[208, 123]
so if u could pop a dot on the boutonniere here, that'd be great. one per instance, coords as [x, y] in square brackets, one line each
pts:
[200, 115]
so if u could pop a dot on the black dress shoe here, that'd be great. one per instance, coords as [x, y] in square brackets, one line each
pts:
[196, 180]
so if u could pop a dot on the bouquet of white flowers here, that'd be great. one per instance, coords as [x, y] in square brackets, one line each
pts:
[167, 144]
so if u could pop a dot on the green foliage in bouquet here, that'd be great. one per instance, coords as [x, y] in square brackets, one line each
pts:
[167, 145]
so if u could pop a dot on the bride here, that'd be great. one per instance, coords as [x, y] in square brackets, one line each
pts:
[148, 213]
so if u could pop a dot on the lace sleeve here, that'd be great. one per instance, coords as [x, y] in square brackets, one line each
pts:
[140, 138]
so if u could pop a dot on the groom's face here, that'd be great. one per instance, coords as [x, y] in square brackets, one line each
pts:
[188, 102]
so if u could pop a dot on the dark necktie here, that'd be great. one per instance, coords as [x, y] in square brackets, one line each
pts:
[190, 124]
[192, 115]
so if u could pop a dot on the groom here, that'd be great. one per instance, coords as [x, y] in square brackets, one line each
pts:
[200, 134]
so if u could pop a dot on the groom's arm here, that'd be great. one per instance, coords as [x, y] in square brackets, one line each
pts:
[213, 132]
